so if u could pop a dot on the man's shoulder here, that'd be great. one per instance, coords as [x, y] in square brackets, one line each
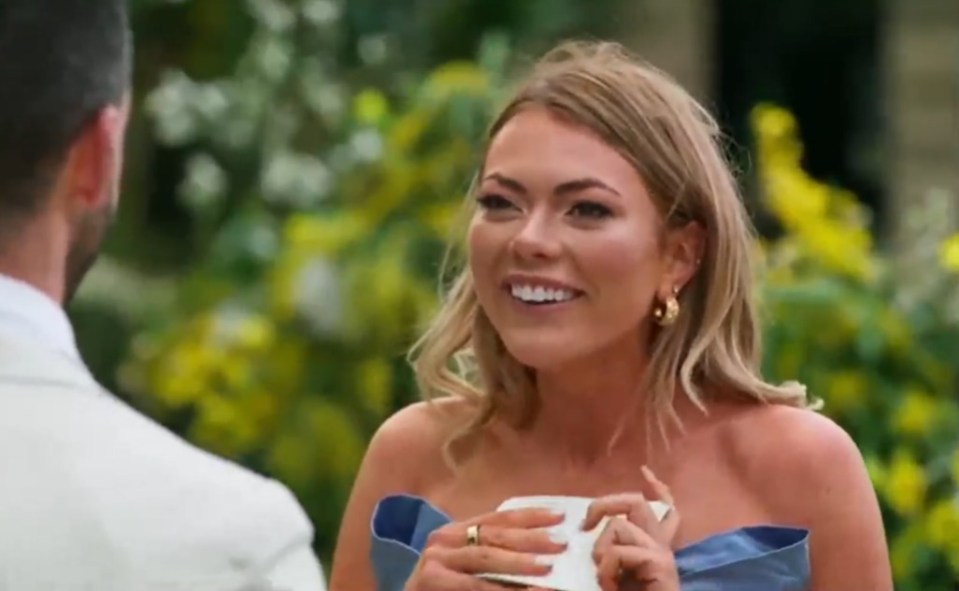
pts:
[141, 482]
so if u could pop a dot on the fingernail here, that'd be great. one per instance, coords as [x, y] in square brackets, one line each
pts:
[544, 560]
[558, 537]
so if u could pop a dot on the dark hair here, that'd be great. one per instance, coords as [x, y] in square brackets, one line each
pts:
[61, 62]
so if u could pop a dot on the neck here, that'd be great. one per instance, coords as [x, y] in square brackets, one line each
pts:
[588, 402]
[32, 255]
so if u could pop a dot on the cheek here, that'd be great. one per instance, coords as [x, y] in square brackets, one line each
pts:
[625, 268]
[482, 248]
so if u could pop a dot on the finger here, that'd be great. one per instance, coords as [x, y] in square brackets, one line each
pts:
[605, 540]
[660, 488]
[621, 504]
[604, 545]
[440, 578]
[454, 535]
[637, 561]
[620, 532]
[641, 515]
[532, 541]
[478, 584]
[485, 559]
[527, 518]
[664, 531]
[670, 522]
[463, 582]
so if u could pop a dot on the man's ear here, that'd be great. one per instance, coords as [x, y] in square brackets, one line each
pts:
[684, 252]
[94, 160]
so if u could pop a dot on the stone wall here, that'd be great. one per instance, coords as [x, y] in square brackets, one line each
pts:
[921, 55]
[919, 65]
[675, 36]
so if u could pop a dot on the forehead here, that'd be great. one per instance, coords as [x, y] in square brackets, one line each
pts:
[538, 141]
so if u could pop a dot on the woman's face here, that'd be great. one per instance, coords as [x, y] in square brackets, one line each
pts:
[565, 245]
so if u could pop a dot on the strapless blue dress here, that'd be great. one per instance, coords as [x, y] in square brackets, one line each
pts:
[761, 558]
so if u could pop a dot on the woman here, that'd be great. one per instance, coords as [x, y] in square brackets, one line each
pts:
[604, 324]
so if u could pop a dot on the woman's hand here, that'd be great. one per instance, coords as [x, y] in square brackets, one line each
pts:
[634, 551]
[502, 542]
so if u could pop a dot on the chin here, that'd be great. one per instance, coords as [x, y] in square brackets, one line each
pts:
[539, 353]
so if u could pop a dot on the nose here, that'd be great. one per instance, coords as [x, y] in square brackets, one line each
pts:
[536, 239]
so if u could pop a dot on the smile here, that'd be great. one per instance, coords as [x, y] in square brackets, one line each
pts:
[536, 291]
[541, 295]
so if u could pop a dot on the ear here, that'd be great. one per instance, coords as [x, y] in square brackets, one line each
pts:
[95, 159]
[684, 253]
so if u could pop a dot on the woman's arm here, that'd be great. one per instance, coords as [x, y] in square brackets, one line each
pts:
[400, 458]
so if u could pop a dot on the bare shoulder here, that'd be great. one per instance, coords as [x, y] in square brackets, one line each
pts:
[789, 453]
[412, 438]
[405, 456]
[807, 471]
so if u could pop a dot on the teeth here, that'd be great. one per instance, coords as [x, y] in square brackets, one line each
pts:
[528, 293]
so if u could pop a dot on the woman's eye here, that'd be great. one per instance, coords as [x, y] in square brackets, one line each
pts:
[494, 202]
[591, 209]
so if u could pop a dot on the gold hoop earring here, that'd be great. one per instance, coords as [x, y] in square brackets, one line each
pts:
[668, 312]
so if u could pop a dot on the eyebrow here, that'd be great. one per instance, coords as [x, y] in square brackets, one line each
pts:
[573, 186]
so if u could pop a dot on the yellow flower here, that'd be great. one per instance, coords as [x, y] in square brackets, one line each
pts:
[916, 413]
[942, 524]
[324, 234]
[896, 329]
[380, 289]
[829, 222]
[183, 373]
[846, 391]
[374, 384]
[407, 132]
[456, 77]
[370, 107]
[949, 254]
[790, 359]
[333, 428]
[255, 333]
[222, 426]
[876, 470]
[441, 218]
[294, 459]
[839, 247]
[400, 180]
[236, 373]
[905, 484]
[772, 122]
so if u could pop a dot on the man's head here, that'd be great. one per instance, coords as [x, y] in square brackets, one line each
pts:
[64, 74]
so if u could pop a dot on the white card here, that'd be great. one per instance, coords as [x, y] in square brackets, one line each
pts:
[573, 569]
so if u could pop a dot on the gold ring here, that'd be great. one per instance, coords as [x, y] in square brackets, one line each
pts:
[472, 535]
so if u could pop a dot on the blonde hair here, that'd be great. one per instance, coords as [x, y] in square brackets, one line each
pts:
[675, 145]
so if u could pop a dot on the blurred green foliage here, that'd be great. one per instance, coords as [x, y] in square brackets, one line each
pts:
[319, 211]
[318, 180]
[876, 336]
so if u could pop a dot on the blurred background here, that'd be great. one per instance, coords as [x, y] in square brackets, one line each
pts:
[294, 168]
